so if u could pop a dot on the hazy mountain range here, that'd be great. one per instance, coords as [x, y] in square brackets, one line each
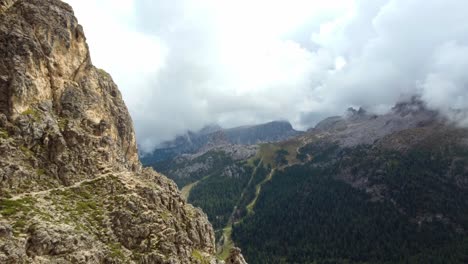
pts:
[214, 136]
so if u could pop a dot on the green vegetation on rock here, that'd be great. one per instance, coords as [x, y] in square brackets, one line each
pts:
[196, 254]
[33, 113]
[4, 134]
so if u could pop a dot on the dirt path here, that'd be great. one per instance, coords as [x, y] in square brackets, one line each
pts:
[258, 189]
[75, 185]
[226, 243]
[231, 218]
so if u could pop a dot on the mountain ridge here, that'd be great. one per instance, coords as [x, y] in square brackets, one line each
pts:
[214, 136]
[366, 165]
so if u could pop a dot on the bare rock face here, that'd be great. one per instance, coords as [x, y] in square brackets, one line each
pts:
[235, 257]
[68, 114]
[359, 127]
[71, 186]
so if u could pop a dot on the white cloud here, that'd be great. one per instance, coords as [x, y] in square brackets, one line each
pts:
[183, 63]
[446, 84]
[117, 46]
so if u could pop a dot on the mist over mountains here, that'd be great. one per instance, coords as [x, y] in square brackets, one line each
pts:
[201, 62]
[355, 188]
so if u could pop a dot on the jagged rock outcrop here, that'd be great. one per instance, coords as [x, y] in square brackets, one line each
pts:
[71, 186]
[360, 127]
[235, 257]
[69, 115]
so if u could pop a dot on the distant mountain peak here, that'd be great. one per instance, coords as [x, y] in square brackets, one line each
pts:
[415, 104]
[213, 135]
[211, 128]
[357, 126]
[353, 111]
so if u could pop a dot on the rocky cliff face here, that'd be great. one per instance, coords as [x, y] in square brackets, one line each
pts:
[71, 187]
[236, 257]
[359, 127]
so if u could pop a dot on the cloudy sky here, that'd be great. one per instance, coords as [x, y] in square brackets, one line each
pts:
[182, 64]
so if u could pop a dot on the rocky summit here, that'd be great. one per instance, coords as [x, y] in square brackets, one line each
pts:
[214, 137]
[72, 189]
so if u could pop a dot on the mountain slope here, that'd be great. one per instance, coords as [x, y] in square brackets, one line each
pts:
[359, 188]
[71, 187]
[397, 197]
[212, 167]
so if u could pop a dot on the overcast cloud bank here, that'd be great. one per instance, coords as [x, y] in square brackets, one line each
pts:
[183, 64]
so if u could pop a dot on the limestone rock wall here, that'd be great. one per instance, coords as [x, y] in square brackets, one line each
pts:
[67, 113]
[72, 189]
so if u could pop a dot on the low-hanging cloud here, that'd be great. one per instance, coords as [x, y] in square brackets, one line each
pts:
[182, 64]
